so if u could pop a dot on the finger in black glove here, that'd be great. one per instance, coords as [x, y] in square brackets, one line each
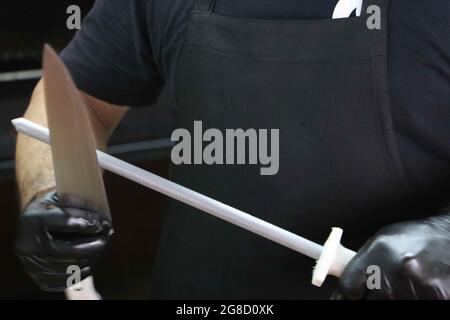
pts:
[53, 236]
[413, 258]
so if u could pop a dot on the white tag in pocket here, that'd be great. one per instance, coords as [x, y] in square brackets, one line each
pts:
[344, 8]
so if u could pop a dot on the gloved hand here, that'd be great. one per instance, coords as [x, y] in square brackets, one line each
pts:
[52, 236]
[414, 260]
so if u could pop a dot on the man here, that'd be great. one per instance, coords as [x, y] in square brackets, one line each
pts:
[364, 127]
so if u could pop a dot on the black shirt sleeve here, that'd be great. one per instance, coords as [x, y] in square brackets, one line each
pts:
[111, 57]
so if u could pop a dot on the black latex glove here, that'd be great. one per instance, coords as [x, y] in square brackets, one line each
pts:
[52, 236]
[414, 260]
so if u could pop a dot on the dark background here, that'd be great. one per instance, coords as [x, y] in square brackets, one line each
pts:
[125, 269]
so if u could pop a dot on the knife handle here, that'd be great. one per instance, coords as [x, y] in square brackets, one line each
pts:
[84, 290]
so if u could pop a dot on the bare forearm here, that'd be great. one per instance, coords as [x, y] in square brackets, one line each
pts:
[34, 167]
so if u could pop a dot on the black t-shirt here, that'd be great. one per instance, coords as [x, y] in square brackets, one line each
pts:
[127, 50]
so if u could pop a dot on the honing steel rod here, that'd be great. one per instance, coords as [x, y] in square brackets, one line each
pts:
[332, 257]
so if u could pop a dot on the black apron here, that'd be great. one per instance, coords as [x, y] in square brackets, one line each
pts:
[324, 84]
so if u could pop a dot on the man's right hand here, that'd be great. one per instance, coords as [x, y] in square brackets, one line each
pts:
[53, 236]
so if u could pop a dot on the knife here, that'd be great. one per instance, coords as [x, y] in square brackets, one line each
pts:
[77, 171]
